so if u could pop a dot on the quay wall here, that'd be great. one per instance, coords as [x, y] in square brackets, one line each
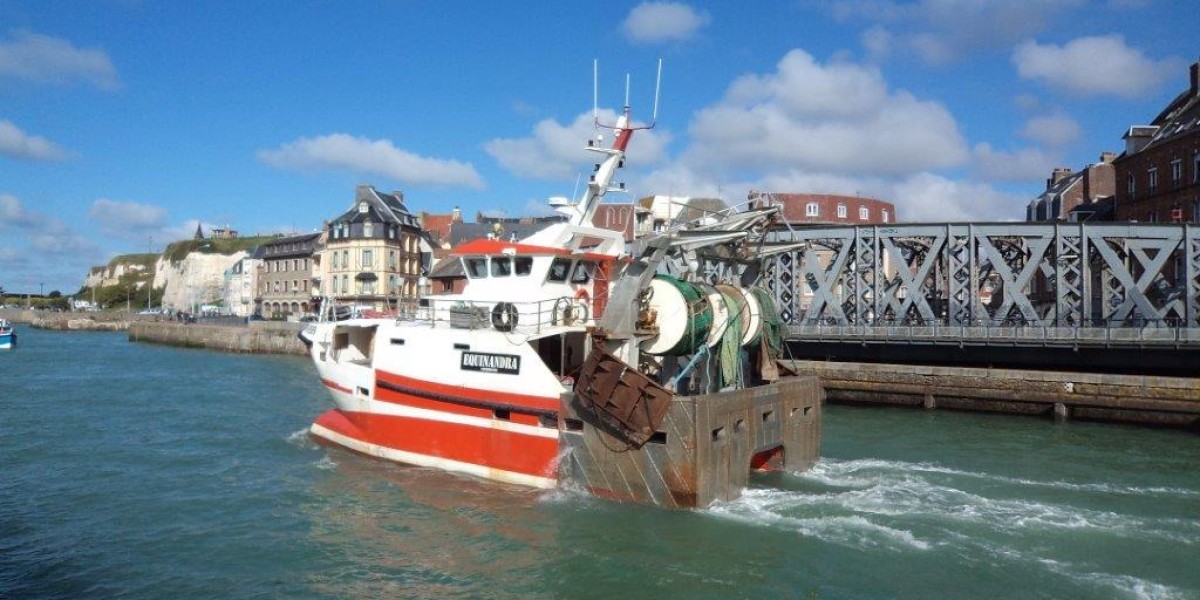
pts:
[258, 338]
[1139, 399]
[74, 321]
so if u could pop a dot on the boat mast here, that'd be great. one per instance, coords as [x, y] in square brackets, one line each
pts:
[600, 183]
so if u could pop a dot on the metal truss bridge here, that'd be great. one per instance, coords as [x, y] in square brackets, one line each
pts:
[1002, 286]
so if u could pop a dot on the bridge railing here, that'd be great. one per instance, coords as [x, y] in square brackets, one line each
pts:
[1151, 333]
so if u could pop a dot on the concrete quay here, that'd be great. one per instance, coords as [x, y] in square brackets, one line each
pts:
[259, 337]
[1135, 399]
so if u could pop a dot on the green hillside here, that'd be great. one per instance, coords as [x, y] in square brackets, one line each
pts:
[177, 251]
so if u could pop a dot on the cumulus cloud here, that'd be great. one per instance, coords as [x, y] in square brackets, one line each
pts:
[13, 214]
[838, 118]
[45, 59]
[128, 219]
[656, 22]
[1052, 130]
[944, 31]
[1094, 65]
[1024, 164]
[44, 234]
[808, 127]
[927, 197]
[877, 41]
[15, 143]
[555, 151]
[344, 152]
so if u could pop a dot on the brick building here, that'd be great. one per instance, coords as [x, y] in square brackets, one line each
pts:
[1158, 175]
[1070, 194]
[827, 209]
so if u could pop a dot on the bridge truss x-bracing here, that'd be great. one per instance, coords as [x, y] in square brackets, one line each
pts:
[970, 275]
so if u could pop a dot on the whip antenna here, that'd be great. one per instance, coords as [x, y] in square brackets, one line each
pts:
[657, 85]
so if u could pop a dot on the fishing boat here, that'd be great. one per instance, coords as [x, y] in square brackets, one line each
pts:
[643, 372]
[8, 336]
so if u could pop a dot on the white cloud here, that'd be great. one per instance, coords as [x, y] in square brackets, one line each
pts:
[15, 143]
[46, 59]
[556, 151]
[1096, 65]
[837, 118]
[1052, 130]
[926, 197]
[877, 41]
[1025, 164]
[56, 237]
[44, 234]
[656, 22]
[128, 219]
[9, 256]
[836, 128]
[944, 31]
[344, 152]
[13, 214]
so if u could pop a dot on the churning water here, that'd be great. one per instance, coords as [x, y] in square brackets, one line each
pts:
[140, 471]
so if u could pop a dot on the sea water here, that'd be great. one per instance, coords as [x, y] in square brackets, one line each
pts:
[130, 470]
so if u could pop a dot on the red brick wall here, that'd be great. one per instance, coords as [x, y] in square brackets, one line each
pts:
[1144, 206]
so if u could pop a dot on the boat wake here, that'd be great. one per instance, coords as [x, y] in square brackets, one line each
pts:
[301, 439]
[899, 507]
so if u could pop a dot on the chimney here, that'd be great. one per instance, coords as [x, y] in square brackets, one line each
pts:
[1107, 157]
[1057, 175]
[1195, 72]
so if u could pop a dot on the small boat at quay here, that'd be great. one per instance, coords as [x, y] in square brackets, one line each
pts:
[8, 336]
[644, 372]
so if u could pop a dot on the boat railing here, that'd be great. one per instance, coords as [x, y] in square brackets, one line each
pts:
[529, 317]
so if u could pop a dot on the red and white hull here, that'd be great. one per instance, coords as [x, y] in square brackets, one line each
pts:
[498, 434]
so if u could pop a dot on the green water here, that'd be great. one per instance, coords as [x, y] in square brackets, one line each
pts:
[140, 471]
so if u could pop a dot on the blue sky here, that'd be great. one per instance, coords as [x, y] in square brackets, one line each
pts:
[123, 123]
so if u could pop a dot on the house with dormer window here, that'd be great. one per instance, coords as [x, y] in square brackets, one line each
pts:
[375, 253]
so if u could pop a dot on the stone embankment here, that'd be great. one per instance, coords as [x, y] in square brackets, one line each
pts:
[72, 321]
[259, 337]
[1141, 399]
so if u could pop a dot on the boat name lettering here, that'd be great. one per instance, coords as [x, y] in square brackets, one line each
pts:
[509, 364]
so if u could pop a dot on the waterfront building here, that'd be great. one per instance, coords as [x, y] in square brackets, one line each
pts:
[1158, 175]
[241, 281]
[285, 276]
[375, 254]
[827, 209]
[1075, 196]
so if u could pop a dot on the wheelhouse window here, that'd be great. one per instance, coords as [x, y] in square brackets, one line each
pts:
[864, 213]
[842, 211]
[523, 265]
[501, 266]
[476, 267]
[559, 269]
[582, 272]
[812, 209]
